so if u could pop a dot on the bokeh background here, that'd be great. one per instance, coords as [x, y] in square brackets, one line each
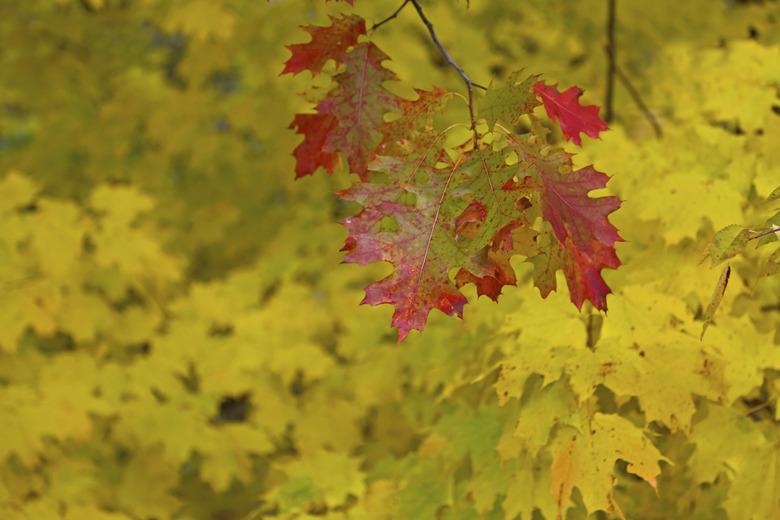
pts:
[178, 337]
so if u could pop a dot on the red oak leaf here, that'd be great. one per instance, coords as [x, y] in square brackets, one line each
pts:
[311, 154]
[494, 268]
[586, 236]
[359, 104]
[414, 126]
[565, 108]
[421, 247]
[583, 239]
[351, 117]
[330, 42]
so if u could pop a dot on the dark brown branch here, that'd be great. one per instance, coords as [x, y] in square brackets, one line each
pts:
[469, 83]
[614, 71]
[391, 17]
[639, 102]
[611, 51]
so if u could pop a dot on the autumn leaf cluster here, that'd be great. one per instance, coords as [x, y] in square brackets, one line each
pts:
[428, 209]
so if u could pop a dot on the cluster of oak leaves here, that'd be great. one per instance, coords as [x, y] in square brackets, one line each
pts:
[123, 395]
[470, 210]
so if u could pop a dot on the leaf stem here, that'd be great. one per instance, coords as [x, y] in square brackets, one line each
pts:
[470, 85]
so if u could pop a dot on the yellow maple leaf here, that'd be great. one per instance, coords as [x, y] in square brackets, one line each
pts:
[587, 462]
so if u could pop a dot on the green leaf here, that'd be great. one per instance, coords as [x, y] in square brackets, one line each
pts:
[728, 243]
[335, 476]
[507, 103]
[717, 296]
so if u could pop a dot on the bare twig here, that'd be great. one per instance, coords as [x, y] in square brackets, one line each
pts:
[470, 85]
[613, 70]
[639, 102]
[611, 51]
[391, 17]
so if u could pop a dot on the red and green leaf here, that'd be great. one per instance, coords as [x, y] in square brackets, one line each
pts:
[585, 235]
[349, 119]
[507, 103]
[413, 128]
[359, 104]
[327, 43]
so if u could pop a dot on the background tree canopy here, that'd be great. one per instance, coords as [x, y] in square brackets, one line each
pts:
[178, 338]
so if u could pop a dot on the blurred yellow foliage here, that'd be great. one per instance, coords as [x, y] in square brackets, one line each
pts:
[179, 340]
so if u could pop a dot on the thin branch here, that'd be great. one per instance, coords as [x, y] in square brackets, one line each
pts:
[614, 71]
[391, 17]
[765, 233]
[611, 51]
[469, 83]
[639, 102]
[757, 408]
